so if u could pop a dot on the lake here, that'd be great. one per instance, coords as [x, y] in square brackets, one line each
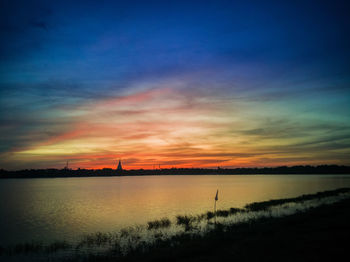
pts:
[49, 209]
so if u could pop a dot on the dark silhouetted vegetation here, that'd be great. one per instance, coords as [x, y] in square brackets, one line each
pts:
[320, 234]
[164, 222]
[257, 206]
[97, 239]
[222, 213]
[185, 221]
[58, 245]
[235, 210]
[27, 247]
[47, 173]
[210, 215]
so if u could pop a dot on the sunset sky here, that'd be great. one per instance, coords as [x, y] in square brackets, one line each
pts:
[175, 83]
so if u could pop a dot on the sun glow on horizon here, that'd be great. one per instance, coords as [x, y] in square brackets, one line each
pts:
[172, 129]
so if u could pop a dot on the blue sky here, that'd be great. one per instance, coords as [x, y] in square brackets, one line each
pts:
[250, 64]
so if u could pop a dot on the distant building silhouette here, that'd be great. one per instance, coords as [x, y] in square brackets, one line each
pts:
[120, 165]
[66, 167]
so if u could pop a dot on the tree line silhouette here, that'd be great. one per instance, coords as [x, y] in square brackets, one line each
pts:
[51, 172]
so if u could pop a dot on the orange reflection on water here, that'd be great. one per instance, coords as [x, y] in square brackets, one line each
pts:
[66, 208]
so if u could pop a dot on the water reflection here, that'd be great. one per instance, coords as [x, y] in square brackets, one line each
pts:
[65, 208]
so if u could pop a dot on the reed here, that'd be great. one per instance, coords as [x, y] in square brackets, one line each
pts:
[264, 205]
[96, 239]
[185, 221]
[156, 224]
[56, 246]
[210, 215]
[30, 247]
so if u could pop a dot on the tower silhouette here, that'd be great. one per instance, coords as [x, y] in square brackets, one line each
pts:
[120, 165]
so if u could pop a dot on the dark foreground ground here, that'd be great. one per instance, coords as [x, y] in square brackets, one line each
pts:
[320, 234]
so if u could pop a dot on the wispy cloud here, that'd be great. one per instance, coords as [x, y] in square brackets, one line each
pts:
[172, 126]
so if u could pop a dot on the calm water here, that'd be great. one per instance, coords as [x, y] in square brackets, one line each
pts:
[66, 208]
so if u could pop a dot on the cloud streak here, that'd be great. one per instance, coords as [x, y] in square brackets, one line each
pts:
[181, 128]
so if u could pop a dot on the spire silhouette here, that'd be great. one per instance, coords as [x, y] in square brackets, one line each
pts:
[120, 165]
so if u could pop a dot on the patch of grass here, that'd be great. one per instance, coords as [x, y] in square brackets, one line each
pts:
[31, 247]
[125, 232]
[233, 210]
[200, 217]
[223, 213]
[56, 246]
[186, 221]
[259, 206]
[97, 239]
[156, 224]
[210, 215]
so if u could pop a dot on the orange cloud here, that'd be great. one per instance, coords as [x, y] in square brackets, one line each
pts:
[171, 128]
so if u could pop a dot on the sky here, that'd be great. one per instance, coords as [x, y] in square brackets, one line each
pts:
[174, 83]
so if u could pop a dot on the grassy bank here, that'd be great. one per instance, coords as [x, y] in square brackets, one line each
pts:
[318, 234]
[259, 227]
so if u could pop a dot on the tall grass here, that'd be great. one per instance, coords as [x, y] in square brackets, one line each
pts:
[185, 221]
[156, 224]
[58, 245]
[96, 239]
[28, 247]
[264, 205]
[209, 215]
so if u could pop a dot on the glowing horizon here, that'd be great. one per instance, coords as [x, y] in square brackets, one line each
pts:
[164, 127]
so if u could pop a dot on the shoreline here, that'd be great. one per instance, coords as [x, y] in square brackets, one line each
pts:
[109, 172]
[164, 175]
[318, 234]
